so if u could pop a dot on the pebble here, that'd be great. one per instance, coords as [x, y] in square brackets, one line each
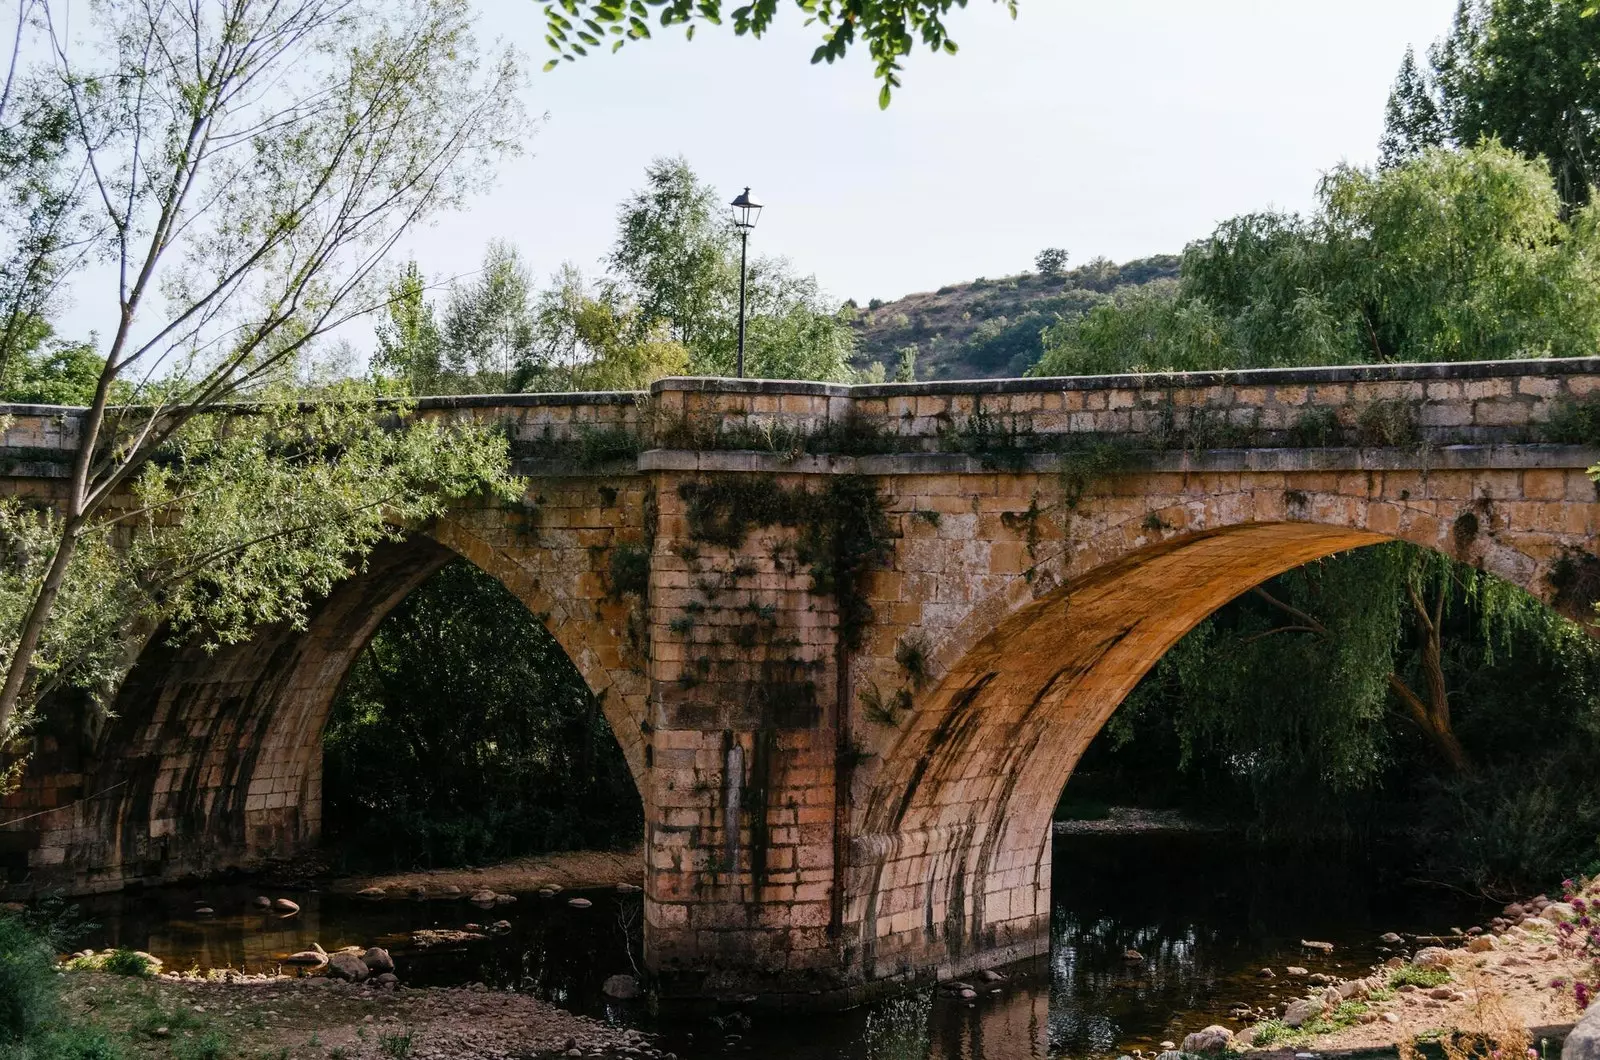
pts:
[579, 903]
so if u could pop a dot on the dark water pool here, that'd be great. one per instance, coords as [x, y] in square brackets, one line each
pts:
[1205, 914]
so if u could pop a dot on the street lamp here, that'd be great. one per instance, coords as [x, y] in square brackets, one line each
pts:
[746, 209]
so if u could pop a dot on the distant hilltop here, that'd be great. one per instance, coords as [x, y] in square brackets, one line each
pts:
[989, 328]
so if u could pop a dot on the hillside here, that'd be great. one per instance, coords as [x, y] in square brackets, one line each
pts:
[990, 328]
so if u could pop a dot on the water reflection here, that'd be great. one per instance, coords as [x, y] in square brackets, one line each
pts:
[1203, 916]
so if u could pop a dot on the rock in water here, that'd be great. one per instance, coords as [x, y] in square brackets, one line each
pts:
[579, 903]
[482, 898]
[1214, 1039]
[1390, 938]
[262, 902]
[1132, 955]
[1584, 1041]
[1320, 947]
[373, 892]
[1293, 970]
[283, 905]
[347, 966]
[377, 960]
[310, 958]
[621, 987]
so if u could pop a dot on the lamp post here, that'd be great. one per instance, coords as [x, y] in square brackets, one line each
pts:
[746, 209]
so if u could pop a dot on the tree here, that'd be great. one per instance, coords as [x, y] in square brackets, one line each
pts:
[488, 330]
[410, 349]
[1453, 255]
[42, 183]
[592, 340]
[905, 370]
[1411, 119]
[675, 254]
[675, 268]
[889, 27]
[463, 733]
[248, 169]
[1051, 262]
[1517, 71]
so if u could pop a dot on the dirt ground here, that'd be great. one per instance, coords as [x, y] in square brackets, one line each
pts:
[168, 1018]
[567, 869]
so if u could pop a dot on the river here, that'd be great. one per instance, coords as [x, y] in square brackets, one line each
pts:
[1204, 913]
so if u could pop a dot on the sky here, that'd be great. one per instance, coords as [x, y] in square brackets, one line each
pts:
[1120, 128]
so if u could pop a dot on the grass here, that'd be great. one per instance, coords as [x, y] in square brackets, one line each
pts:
[1422, 978]
[1277, 1032]
[118, 962]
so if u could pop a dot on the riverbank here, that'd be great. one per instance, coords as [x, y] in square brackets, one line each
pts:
[567, 869]
[194, 1018]
[1493, 984]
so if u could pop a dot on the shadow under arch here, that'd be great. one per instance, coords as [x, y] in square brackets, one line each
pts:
[212, 759]
[952, 858]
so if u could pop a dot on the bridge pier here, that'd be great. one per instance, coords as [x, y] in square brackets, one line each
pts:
[852, 640]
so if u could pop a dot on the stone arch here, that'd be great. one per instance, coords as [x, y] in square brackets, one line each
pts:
[212, 759]
[950, 864]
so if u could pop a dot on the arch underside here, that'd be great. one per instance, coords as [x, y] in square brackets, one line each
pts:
[212, 760]
[952, 861]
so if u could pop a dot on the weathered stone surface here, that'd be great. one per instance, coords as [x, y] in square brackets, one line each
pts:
[1297, 1012]
[931, 851]
[377, 960]
[1433, 957]
[1214, 1039]
[1584, 1041]
[621, 987]
[347, 966]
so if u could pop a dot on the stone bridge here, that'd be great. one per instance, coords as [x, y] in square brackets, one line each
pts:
[852, 640]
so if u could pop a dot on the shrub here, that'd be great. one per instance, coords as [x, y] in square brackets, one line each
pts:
[211, 1045]
[27, 980]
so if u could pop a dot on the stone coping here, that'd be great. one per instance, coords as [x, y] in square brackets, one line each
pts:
[1358, 373]
[1399, 458]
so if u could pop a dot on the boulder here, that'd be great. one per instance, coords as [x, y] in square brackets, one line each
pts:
[387, 979]
[621, 987]
[377, 960]
[310, 958]
[450, 890]
[1213, 1039]
[504, 899]
[1432, 957]
[579, 903]
[482, 898]
[1320, 947]
[1390, 938]
[261, 901]
[347, 966]
[1482, 944]
[373, 892]
[1351, 989]
[1267, 973]
[1584, 1041]
[1294, 970]
[1556, 912]
[286, 907]
[989, 975]
[1332, 998]
[1298, 1012]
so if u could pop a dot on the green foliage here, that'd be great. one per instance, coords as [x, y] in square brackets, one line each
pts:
[630, 570]
[1452, 255]
[1417, 976]
[397, 1046]
[212, 1045]
[59, 373]
[888, 27]
[131, 963]
[677, 257]
[27, 982]
[1051, 262]
[464, 734]
[1574, 421]
[1520, 71]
